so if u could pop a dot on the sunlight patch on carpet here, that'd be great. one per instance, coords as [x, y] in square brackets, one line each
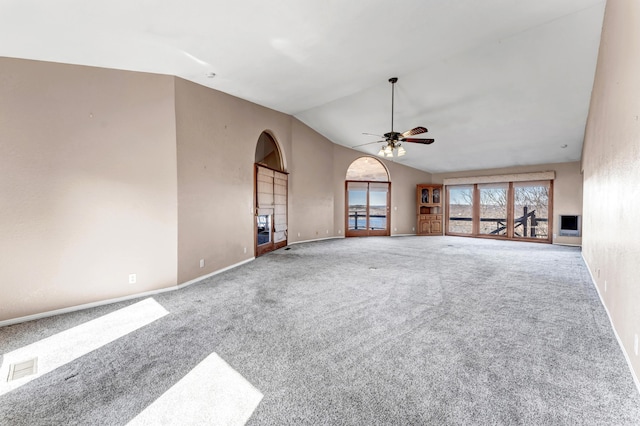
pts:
[64, 347]
[213, 393]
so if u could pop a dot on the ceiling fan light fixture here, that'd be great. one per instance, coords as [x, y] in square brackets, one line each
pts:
[394, 138]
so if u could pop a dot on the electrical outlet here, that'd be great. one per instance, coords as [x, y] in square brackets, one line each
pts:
[202, 263]
[395, 229]
[413, 229]
[298, 234]
[339, 231]
[327, 231]
[132, 278]
[245, 249]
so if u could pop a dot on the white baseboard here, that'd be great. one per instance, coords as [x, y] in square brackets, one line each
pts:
[117, 299]
[317, 239]
[219, 271]
[342, 236]
[624, 351]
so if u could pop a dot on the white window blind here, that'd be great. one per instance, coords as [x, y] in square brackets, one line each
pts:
[517, 177]
[280, 184]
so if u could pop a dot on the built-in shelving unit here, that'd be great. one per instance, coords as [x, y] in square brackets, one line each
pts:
[429, 203]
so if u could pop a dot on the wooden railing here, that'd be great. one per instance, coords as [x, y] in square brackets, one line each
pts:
[521, 222]
[355, 215]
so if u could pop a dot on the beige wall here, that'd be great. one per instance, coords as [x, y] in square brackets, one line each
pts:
[611, 164]
[311, 200]
[403, 191]
[216, 139]
[567, 189]
[107, 173]
[88, 185]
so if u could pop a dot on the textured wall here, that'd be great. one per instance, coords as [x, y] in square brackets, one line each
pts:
[88, 185]
[216, 143]
[311, 187]
[611, 164]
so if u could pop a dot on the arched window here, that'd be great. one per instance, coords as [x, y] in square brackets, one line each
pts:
[368, 195]
[367, 168]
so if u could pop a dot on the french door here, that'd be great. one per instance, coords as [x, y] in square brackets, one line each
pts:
[271, 209]
[367, 211]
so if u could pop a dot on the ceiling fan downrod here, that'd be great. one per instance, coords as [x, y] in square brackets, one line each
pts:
[393, 81]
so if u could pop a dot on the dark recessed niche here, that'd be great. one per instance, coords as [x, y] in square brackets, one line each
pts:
[570, 226]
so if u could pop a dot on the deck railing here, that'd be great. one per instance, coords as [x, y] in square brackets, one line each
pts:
[522, 222]
[363, 215]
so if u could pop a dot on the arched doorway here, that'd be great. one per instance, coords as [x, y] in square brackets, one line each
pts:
[271, 192]
[368, 195]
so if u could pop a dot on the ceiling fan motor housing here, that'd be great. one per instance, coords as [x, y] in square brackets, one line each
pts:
[392, 136]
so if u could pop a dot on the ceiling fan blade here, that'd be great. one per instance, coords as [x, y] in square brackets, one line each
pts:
[368, 143]
[373, 134]
[418, 140]
[415, 131]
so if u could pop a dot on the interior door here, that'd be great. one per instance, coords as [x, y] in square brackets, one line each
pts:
[367, 208]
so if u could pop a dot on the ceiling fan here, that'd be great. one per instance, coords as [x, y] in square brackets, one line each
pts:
[394, 139]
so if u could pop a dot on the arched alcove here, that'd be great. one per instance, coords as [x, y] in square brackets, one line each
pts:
[268, 152]
[367, 195]
[271, 192]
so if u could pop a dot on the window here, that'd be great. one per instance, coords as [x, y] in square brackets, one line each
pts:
[460, 209]
[367, 169]
[517, 210]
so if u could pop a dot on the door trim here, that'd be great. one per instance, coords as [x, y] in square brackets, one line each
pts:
[366, 232]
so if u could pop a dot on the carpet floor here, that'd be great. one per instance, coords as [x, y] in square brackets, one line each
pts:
[361, 331]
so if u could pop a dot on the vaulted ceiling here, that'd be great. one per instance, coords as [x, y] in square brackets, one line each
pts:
[497, 82]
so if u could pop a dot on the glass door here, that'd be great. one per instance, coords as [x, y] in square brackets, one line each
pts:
[531, 210]
[493, 208]
[367, 208]
[378, 208]
[460, 210]
[517, 210]
[357, 201]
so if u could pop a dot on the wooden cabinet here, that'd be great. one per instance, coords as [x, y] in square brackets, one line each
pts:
[429, 203]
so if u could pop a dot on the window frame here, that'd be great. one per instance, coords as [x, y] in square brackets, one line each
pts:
[475, 208]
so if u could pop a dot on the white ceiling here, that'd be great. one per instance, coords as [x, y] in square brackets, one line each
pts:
[496, 82]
